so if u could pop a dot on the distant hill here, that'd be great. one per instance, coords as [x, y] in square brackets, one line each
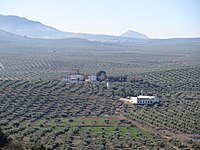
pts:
[7, 36]
[133, 34]
[35, 29]
[14, 27]
[25, 27]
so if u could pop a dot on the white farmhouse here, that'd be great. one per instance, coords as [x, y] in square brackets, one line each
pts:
[78, 77]
[142, 100]
[74, 78]
[92, 78]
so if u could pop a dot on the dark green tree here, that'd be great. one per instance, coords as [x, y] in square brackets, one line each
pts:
[4, 139]
[101, 75]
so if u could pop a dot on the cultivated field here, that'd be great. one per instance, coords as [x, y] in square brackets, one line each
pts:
[37, 107]
[90, 116]
[52, 59]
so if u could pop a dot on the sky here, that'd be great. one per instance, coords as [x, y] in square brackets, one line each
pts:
[155, 18]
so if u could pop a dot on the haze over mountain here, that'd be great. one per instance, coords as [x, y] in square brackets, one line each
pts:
[6, 38]
[4, 34]
[35, 29]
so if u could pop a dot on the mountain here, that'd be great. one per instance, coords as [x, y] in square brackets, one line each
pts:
[25, 27]
[133, 34]
[35, 29]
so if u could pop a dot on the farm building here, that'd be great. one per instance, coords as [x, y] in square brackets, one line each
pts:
[74, 78]
[142, 100]
[91, 78]
[77, 77]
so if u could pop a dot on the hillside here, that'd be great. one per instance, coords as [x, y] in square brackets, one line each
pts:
[83, 116]
[25, 27]
[35, 29]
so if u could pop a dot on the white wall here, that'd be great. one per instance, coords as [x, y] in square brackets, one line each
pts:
[92, 78]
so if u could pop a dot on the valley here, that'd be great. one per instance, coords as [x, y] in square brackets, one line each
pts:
[40, 109]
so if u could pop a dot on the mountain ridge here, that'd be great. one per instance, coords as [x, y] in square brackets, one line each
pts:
[35, 29]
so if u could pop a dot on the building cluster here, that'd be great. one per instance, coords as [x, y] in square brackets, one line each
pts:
[77, 77]
[143, 100]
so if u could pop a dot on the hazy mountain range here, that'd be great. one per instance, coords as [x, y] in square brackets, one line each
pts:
[17, 28]
[24, 27]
